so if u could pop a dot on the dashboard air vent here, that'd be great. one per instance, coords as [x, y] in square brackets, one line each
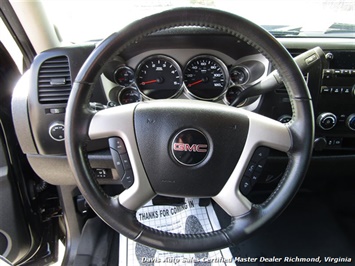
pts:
[54, 83]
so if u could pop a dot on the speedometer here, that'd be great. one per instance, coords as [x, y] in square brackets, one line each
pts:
[206, 77]
[159, 77]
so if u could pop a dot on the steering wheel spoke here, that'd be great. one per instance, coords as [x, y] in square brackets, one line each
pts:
[117, 125]
[263, 133]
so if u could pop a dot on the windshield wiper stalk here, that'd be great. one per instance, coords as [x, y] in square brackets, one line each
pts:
[305, 62]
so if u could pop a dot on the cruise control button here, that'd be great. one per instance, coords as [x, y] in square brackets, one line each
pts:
[118, 162]
[125, 161]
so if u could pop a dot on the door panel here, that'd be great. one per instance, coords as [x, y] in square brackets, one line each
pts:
[15, 240]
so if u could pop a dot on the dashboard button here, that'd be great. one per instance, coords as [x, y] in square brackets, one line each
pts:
[337, 142]
[337, 90]
[56, 131]
[320, 144]
[350, 122]
[347, 91]
[325, 90]
[328, 73]
[326, 121]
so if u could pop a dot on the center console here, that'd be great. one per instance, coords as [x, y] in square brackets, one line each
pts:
[335, 105]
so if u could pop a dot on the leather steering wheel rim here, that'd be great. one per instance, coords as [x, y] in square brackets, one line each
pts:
[121, 217]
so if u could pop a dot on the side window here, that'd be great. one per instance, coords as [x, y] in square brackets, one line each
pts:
[11, 46]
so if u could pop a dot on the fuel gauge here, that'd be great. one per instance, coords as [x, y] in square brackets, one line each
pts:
[124, 76]
[129, 95]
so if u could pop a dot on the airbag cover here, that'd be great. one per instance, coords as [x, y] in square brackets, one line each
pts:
[216, 133]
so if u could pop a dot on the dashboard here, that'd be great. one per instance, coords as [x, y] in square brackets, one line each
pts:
[206, 74]
[179, 64]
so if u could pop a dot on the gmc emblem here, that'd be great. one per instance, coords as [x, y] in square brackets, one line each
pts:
[190, 148]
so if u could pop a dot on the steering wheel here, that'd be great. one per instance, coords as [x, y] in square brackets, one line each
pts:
[182, 148]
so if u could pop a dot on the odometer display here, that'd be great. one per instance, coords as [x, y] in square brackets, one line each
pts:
[159, 77]
[206, 77]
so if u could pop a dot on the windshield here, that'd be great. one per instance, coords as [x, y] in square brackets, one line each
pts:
[81, 20]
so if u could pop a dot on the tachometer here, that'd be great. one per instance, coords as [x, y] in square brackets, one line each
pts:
[159, 77]
[206, 77]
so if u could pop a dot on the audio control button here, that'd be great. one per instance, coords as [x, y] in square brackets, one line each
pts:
[337, 90]
[347, 90]
[325, 90]
[326, 121]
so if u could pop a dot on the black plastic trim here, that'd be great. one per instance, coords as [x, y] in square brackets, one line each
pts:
[14, 25]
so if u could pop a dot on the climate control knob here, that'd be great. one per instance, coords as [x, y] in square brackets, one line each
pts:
[350, 122]
[326, 121]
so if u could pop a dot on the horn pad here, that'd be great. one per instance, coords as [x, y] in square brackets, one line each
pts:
[189, 150]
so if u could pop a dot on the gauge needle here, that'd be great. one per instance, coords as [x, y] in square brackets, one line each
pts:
[148, 82]
[195, 83]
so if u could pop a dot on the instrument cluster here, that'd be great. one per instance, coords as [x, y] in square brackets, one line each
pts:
[204, 77]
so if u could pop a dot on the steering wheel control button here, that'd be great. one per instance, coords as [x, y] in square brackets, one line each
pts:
[254, 170]
[260, 165]
[254, 178]
[261, 153]
[56, 131]
[117, 144]
[245, 185]
[326, 121]
[121, 161]
[250, 169]
[190, 147]
[128, 179]
[125, 161]
[117, 162]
